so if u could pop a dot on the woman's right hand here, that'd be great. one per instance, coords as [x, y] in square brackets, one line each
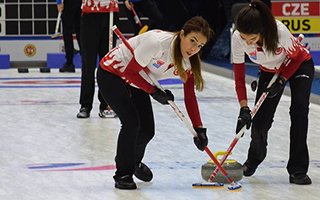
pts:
[60, 7]
[201, 140]
[163, 96]
[244, 118]
[128, 4]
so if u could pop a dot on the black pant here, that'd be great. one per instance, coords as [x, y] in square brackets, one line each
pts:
[149, 9]
[300, 85]
[133, 107]
[71, 24]
[95, 42]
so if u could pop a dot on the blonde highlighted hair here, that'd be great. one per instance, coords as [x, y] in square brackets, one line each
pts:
[199, 25]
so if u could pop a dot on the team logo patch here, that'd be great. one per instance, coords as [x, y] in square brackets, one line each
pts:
[158, 63]
[279, 51]
[30, 50]
[253, 55]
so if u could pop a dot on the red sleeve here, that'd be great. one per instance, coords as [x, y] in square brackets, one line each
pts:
[191, 103]
[240, 82]
[293, 66]
[131, 73]
[298, 54]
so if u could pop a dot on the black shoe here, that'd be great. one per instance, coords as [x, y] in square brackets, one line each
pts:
[125, 182]
[83, 113]
[300, 179]
[143, 172]
[248, 170]
[67, 68]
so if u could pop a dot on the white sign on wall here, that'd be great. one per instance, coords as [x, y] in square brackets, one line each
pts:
[31, 50]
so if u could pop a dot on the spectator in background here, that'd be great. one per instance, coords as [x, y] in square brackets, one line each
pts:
[175, 12]
[213, 12]
[178, 11]
[95, 42]
[149, 9]
[71, 13]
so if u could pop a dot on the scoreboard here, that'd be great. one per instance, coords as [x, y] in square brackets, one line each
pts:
[300, 16]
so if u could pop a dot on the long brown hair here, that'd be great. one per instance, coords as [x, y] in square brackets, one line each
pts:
[199, 25]
[257, 18]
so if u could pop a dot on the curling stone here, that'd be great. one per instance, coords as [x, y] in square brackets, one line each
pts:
[232, 167]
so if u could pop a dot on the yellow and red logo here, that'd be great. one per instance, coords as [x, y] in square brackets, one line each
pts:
[30, 50]
[299, 16]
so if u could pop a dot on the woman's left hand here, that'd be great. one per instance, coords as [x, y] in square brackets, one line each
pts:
[201, 141]
[276, 87]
